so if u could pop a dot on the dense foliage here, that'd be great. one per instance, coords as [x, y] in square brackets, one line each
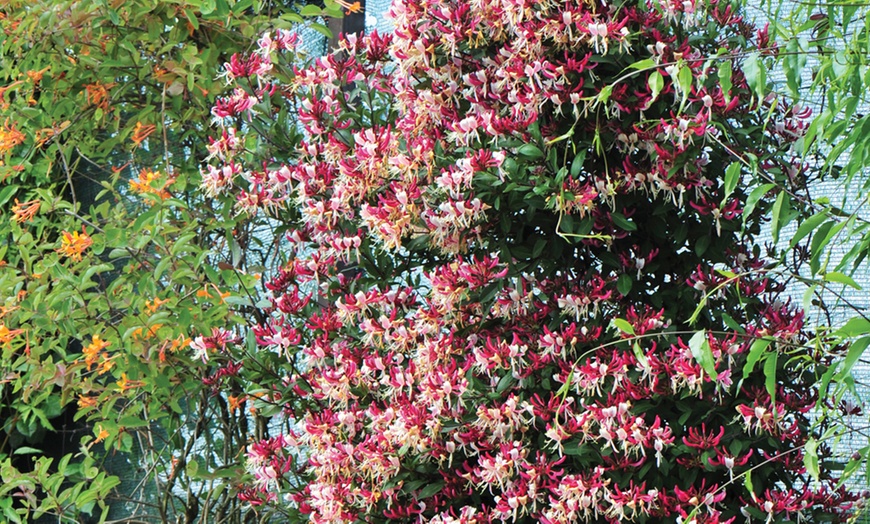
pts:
[521, 282]
[111, 260]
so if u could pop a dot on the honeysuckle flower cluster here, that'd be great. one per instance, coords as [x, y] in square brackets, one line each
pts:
[499, 221]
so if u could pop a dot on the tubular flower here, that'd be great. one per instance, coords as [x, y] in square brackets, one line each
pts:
[10, 138]
[72, 245]
[145, 184]
[25, 211]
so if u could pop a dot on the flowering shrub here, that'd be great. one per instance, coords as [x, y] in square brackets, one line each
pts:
[108, 265]
[520, 282]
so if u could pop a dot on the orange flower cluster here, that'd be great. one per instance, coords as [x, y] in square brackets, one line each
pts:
[73, 244]
[94, 351]
[141, 132]
[124, 384]
[98, 95]
[25, 211]
[145, 184]
[36, 76]
[151, 306]
[10, 138]
[173, 346]
[145, 333]
[6, 334]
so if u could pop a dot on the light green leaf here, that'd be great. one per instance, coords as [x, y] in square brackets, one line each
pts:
[770, 375]
[835, 276]
[725, 78]
[656, 83]
[756, 351]
[700, 347]
[623, 325]
[732, 177]
[856, 350]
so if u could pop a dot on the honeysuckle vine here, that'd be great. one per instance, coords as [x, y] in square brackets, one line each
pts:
[498, 224]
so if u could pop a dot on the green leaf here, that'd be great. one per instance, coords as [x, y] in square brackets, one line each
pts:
[530, 151]
[310, 10]
[656, 83]
[623, 325]
[754, 197]
[7, 192]
[639, 355]
[776, 221]
[25, 450]
[647, 63]
[855, 326]
[624, 283]
[623, 223]
[770, 375]
[732, 177]
[604, 94]
[684, 77]
[756, 75]
[756, 351]
[700, 347]
[430, 490]
[725, 78]
[856, 350]
[806, 227]
[191, 17]
[835, 276]
[811, 458]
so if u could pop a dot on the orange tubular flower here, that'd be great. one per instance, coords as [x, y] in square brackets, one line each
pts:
[10, 138]
[144, 184]
[101, 435]
[141, 132]
[87, 402]
[73, 244]
[355, 7]
[92, 350]
[124, 384]
[98, 95]
[25, 211]
[6, 334]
